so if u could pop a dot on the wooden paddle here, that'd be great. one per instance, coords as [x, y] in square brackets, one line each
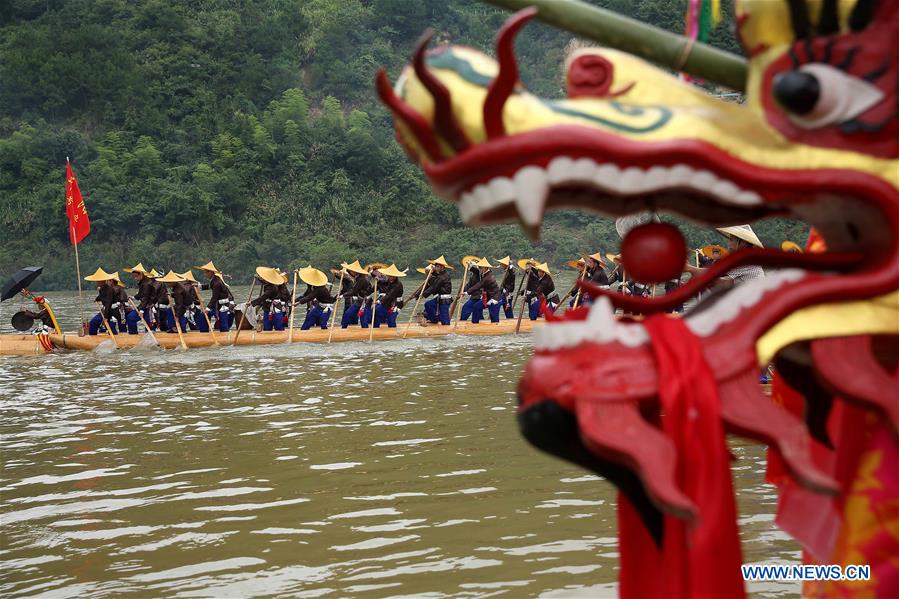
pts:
[203, 308]
[293, 298]
[524, 299]
[143, 320]
[336, 305]
[374, 303]
[178, 325]
[243, 313]
[420, 292]
[106, 324]
[458, 302]
[577, 297]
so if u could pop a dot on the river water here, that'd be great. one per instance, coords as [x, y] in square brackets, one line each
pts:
[387, 470]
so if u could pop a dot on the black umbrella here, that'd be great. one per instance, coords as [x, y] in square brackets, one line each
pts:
[19, 281]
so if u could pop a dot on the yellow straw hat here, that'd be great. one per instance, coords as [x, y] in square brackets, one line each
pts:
[392, 271]
[525, 262]
[171, 277]
[544, 267]
[507, 261]
[153, 274]
[209, 267]
[423, 270]
[313, 276]
[708, 250]
[598, 257]
[354, 267]
[616, 258]
[375, 266]
[188, 275]
[270, 275]
[791, 246]
[442, 262]
[468, 260]
[743, 232]
[483, 263]
[139, 268]
[101, 275]
[576, 263]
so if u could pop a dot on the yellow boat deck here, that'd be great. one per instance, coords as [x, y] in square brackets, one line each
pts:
[21, 345]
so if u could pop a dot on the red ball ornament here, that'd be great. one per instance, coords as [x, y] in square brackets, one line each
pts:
[654, 253]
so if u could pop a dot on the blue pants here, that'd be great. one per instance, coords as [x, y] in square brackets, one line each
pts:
[224, 320]
[382, 315]
[437, 312]
[493, 310]
[473, 308]
[165, 319]
[350, 316]
[197, 322]
[273, 320]
[365, 319]
[534, 308]
[131, 320]
[96, 324]
[316, 316]
[506, 303]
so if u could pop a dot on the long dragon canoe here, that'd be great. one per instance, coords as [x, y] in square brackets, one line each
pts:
[19, 345]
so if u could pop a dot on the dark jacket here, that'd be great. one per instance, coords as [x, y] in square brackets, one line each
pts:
[220, 291]
[182, 298]
[508, 281]
[392, 292]
[160, 293]
[597, 276]
[316, 295]
[440, 284]
[541, 287]
[269, 293]
[486, 284]
[146, 293]
[107, 296]
[362, 287]
[474, 276]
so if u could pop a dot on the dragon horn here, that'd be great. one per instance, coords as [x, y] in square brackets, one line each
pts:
[650, 43]
[444, 120]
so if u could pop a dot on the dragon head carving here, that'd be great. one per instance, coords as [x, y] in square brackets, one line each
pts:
[817, 139]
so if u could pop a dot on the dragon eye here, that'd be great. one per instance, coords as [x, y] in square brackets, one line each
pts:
[818, 94]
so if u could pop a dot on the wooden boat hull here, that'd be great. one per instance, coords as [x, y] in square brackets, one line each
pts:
[28, 344]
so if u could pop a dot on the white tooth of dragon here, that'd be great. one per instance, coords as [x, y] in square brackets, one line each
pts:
[531, 189]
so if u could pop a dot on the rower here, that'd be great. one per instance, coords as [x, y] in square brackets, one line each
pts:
[272, 298]
[164, 315]
[357, 294]
[146, 298]
[594, 273]
[374, 272]
[437, 309]
[195, 319]
[221, 304]
[108, 297]
[390, 296]
[540, 287]
[507, 285]
[473, 303]
[317, 296]
[487, 292]
[738, 237]
[180, 298]
[580, 265]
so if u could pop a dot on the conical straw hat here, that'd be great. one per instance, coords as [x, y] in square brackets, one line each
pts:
[616, 258]
[507, 261]
[138, 268]
[153, 274]
[525, 262]
[101, 275]
[354, 267]
[598, 257]
[709, 249]
[270, 275]
[483, 263]
[743, 232]
[188, 275]
[468, 260]
[375, 266]
[313, 276]
[576, 263]
[442, 262]
[209, 267]
[392, 271]
[171, 277]
[544, 267]
[422, 270]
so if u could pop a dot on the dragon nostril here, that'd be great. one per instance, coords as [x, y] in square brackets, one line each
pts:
[853, 231]
[797, 91]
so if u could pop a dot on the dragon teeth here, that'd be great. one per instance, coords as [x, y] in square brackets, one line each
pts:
[531, 189]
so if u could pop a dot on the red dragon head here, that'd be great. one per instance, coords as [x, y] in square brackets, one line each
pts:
[817, 139]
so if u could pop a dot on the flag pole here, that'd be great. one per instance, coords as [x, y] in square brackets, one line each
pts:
[78, 272]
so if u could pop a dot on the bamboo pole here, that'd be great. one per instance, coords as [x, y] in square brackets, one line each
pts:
[293, 298]
[374, 302]
[78, 273]
[456, 309]
[417, 302]
[106, 324]
[243, 314]
[514, 298]
[524, 299]
[656, 45]
[577, 296]
[336, 305]
[143, 320]
[203, 308]
[178, 325]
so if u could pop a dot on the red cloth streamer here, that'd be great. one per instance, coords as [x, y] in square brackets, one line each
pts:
[702, 558]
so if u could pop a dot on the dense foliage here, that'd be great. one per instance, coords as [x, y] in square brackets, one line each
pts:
[246, 132]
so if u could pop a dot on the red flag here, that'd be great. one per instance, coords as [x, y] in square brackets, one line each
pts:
[79, 223]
